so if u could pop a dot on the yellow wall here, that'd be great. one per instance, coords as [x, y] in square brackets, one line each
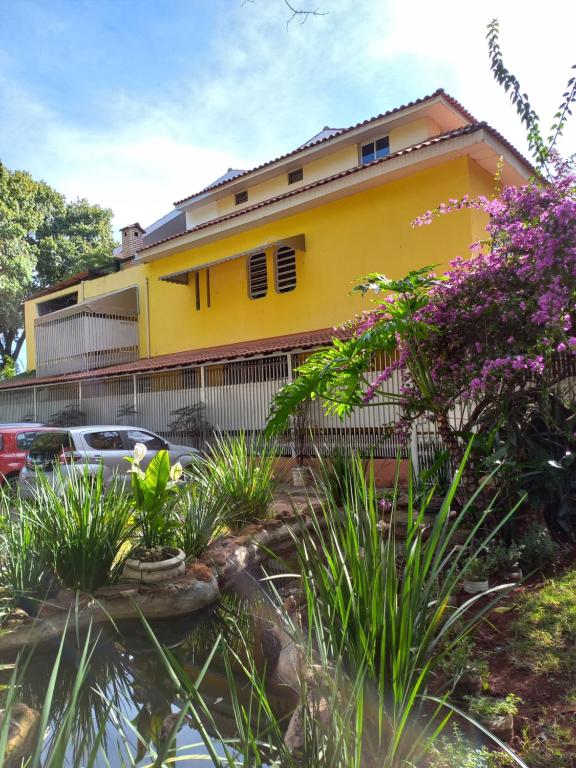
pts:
[481, 183]
[345, 239]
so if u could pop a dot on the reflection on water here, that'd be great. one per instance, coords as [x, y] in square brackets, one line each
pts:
[129, 704]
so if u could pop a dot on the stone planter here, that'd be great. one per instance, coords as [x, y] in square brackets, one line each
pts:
[513, 575]
[300, 477]
[474, 587]
[173, 567]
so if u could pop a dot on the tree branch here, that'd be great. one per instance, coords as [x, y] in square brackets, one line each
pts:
[302, 13]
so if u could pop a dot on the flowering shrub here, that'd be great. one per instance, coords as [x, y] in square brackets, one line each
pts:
[504, 316]
[496, 331]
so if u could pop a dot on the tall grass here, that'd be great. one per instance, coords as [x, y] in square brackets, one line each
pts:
[201, 513]
[241, 474]
[383, 615]
[23, 563]
[82, 526]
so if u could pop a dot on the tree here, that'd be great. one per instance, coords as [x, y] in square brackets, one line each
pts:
[43, 239]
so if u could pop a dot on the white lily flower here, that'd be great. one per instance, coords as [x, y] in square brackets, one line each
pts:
[140, 451]
[176, 472]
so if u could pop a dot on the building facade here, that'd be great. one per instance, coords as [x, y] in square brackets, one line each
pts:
[237, 281]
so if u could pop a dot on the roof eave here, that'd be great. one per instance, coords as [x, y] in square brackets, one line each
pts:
[413, 155]
[318, 148]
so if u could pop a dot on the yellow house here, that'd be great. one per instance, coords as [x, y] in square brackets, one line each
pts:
[260, 264]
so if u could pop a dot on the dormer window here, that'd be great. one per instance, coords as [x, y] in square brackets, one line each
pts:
[296, 175]
[374, 150]
[241, 197]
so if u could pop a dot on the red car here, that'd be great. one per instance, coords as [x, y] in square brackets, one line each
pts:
[15, 441]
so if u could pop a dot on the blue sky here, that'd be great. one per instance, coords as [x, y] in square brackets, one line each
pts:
[137, 103]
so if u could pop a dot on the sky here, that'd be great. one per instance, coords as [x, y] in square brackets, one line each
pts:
[134, 104]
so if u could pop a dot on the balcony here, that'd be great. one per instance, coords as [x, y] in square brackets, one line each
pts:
[95, 333]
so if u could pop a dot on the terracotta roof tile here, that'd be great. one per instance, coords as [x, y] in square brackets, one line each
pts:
[467, 129]
[304, 340]
[438, 92]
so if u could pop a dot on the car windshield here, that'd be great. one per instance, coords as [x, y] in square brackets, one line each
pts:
[47, 445]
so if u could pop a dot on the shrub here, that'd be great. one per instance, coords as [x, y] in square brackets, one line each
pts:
[456, 752]
[538, 549]
[241, 475]
[334, 476]
[81, 526]
[487, 708]
[460, 661]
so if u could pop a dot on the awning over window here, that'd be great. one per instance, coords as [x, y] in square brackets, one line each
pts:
[298, 242]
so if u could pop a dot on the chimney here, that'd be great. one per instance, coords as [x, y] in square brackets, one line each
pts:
[131, 240]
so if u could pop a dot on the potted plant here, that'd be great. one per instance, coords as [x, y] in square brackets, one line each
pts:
[153, 559]
[508, 560]
[476, 574]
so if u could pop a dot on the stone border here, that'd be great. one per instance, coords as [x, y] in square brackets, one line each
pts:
[200, 586]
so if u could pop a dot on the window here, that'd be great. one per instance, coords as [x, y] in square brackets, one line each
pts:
[285, 262]
[152, 442]
[53, 305]
[374, 150]
[24, 440]
[296, 175]
[47, 445]
[257, 276]
[104, 441]
[241, 197]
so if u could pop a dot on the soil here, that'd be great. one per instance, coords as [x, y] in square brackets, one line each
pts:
[545, 726]
[154, 555]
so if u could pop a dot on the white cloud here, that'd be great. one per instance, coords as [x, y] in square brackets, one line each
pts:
[448, 39]
[266, 88]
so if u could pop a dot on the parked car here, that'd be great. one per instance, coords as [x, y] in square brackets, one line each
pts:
[76, 448]
[15, 441]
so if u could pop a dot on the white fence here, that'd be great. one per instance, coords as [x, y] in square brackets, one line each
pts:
[187, 404]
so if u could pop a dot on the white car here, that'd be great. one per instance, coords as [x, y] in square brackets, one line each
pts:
[92, 447]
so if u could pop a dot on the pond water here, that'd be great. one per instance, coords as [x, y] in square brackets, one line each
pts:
[127, 671]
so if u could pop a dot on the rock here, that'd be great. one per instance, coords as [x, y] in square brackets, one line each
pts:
[153, 601]
[23, 724]
[469, 684]
[317, 707]
[502, 726]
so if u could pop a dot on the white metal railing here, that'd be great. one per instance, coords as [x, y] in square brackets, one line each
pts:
[84, 341]
[188, 404]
